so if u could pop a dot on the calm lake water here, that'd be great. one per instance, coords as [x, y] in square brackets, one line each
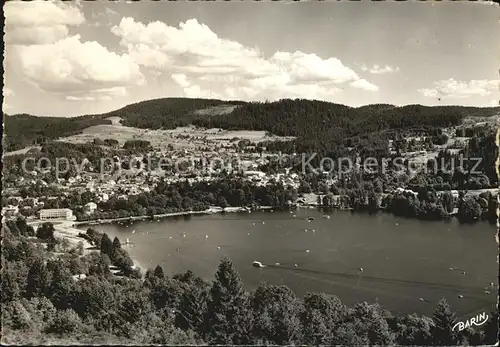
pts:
[403, 260]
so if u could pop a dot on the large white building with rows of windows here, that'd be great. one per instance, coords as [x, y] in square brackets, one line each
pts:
[56, 213]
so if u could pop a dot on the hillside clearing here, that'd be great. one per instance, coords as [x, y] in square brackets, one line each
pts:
[216, 110]
[182, 137]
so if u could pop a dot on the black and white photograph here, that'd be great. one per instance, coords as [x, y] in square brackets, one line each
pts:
[250, 173]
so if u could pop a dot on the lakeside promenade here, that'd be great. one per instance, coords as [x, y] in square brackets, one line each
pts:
[211, 210]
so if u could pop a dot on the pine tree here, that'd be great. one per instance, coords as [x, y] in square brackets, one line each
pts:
[413, 330]
[45, 231]
[228, 318]
[9, 285]
[277, 315]
[37, 279]
[444, 319]
[107, 246]
[101, 268]
[60, 287]
[321, 315]
[158, 272]
[116, 244]
[192, 306]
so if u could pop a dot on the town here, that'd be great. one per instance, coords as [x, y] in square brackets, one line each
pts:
[36, 190]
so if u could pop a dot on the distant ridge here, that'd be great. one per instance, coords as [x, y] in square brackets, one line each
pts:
[315, 123]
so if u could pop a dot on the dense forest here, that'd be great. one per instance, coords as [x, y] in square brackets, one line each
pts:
[166, 113]
[318, 125]
[22, 130]
[327, 127]
[56, 293]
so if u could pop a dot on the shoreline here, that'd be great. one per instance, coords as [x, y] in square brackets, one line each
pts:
[211, 210]
[220, 210]
[140, 267]
[69, 229]
[70, 233]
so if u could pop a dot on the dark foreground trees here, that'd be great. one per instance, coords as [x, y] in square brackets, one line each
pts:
[228, 316]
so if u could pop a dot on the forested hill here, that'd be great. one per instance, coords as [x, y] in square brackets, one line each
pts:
[168, 112]
[287, 116]
[315, 123]
[23, 130]
[323, 126]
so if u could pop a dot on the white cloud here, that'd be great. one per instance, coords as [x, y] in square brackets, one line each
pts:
[461, 89]
[41, 51]
[88, 98]
[79, 69]
[205, 65]
[8, 92]
[39, 22]
[364, 84]
[377, 69]
[181, 79]
[104, 18]
[40, 35]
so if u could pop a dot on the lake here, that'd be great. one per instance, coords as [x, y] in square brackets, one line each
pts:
[403, 260]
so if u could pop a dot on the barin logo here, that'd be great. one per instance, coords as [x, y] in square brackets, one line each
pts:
[480, 319]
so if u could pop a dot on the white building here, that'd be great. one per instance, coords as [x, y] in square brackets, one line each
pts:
[90, 207]
[10, 211]
[79, 277]
[254, 174]
[104, 197]
[56, 213]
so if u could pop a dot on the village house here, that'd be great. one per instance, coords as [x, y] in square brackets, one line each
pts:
[90, 207]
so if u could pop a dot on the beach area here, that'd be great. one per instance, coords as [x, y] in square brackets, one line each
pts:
[68, 229]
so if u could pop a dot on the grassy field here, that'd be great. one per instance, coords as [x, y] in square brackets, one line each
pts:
[182, 137]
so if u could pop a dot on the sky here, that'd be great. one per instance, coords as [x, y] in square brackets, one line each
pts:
[74, 58]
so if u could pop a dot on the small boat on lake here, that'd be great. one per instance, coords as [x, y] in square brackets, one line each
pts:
[257, 264]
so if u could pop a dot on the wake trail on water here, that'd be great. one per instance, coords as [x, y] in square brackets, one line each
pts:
[395, 281]
[349, 286]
